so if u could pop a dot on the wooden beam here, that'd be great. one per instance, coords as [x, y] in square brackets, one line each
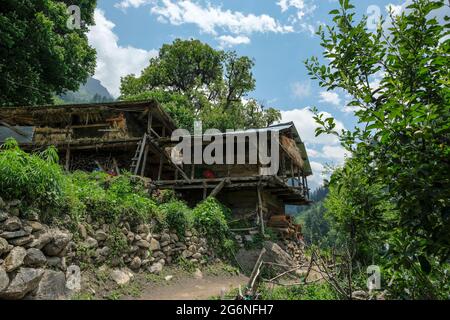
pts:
[161, 161]
[67, 166]
[260, 209]
[219, 187]
[144, 161]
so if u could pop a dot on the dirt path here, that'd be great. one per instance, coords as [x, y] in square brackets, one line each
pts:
[192, 289]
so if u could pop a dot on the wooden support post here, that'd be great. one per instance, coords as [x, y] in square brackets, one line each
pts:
[260, 209]
[205, 190]
[144, 161]
[149, 122]
[67, 166]
[161, 162]
[307, 188]
[192, 171]
[219, 187]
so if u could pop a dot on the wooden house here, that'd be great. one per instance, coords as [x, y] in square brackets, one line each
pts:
[136, 136]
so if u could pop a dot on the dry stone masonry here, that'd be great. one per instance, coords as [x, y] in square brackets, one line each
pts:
[42, 262]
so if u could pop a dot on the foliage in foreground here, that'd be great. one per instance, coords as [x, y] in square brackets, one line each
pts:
[390, 203]
[314, 291]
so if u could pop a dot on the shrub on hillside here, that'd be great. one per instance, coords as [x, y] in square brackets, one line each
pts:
[210, 219]
[177, 215]
[35, 179]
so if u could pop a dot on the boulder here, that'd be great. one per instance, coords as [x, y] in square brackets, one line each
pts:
[4, 246]
[35, 258]
[3, 216]
[165, 237]
[168, 278]
[82, 231]
[73, 278]
[143, 244]
[4, 279]
[25, 281]
[156, 267]
[197, 256]
[15, 259]
[12, 224]
[135, 264]
[91, 243]
[58, 243]
[143, 228]
[41, 241]
[360, 295]
[22, 241]
[121, 276]
[36, 226]
[100, 235]
[274, 253]
[56, 262]
[174, 237]
[13, 234]
[198, 274]
[186, 254]
[52, 286]
[104, 251]
[154, 245]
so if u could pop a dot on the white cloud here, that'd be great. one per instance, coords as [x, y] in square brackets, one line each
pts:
[316, 180]
[114, 61]
[330, 97]
[396, 9]
[125, 4]
[286, 4]
[335, 153]
[229, 41]
[212, 18]
[302, 7]
[301, 89]
[306, 126]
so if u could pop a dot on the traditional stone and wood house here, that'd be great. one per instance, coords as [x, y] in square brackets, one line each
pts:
[136, 136]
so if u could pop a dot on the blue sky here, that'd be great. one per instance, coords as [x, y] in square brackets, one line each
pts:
[278, 35]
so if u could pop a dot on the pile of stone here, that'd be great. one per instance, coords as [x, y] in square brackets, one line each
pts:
[40, 262]
[32, 256]
[146, 249]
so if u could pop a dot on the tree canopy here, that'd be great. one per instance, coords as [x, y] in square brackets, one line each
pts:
[40, 54]
[196, 82]
[394, 192]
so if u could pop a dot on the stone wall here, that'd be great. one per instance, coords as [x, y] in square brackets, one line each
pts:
[38, 261]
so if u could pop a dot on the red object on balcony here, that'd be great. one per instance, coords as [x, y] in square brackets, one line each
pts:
[208, 174]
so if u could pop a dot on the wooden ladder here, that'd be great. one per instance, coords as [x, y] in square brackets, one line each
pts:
[137, 159]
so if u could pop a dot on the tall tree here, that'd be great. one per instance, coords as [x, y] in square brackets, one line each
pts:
[194, 81]
[41, 54]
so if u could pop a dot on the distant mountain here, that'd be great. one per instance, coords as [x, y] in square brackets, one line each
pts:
[91, 91]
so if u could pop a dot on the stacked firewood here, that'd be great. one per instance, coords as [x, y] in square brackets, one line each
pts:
[285, 226]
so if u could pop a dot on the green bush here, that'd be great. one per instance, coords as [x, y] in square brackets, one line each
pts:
[210, 219]
[35, 179]
[177, 216]
[109, 199]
